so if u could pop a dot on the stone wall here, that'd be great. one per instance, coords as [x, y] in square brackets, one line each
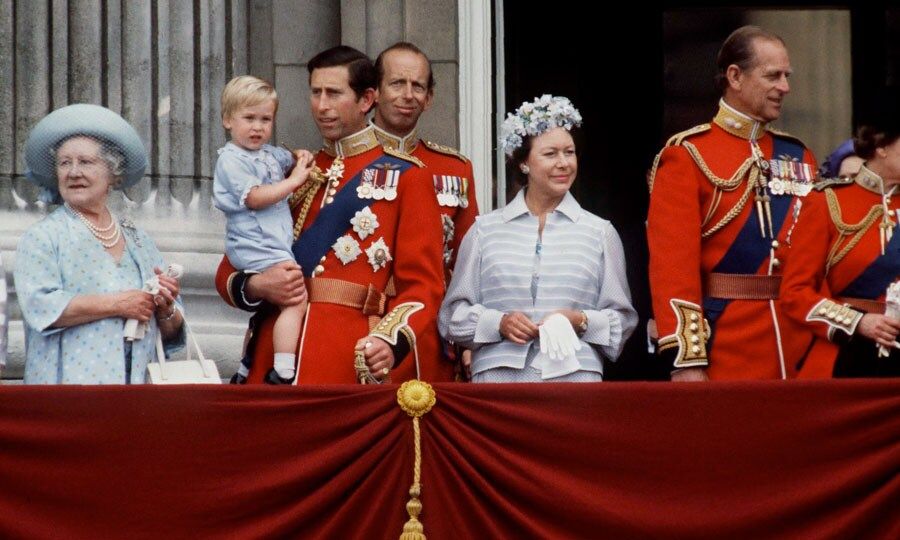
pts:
[162, 65]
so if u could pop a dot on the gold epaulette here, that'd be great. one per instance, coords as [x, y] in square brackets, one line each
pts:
[786, 135]
[838, 181]
[402, 155]
[441, 149]
[675, 140]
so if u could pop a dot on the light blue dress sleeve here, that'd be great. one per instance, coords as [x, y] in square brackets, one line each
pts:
[282, 155]
[613, 320]
[39, 283]
[233, 179]
[463, 318]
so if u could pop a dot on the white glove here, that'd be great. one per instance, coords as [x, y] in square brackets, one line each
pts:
[558, 345]
[175, 270]
[134, 329]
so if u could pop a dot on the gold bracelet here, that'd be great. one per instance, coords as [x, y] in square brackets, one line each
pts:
[583, 325]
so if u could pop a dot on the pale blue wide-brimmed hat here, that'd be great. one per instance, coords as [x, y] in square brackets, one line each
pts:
[82, 119]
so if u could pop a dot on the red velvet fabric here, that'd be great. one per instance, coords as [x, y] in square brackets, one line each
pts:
[797, 459]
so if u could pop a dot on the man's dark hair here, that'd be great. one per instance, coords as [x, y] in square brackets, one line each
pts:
[408, 47]
[359, 67]
[738, 49]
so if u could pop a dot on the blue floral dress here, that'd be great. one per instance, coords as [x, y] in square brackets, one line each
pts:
[57, 259]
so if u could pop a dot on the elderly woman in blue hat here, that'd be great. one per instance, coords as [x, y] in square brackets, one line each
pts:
[79, 271]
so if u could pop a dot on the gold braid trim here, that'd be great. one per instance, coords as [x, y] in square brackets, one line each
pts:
[652, 176]
[304, 197]
[721, 183]
[846, 229]
[737, 208]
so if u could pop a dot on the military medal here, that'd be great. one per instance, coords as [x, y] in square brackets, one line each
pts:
[449, 232]
[346, 248]
[364, 222]
[464, 192]
[790, 177]
[378, 181]
[439, 189]
[379, 254]
[446, 188]
[335, 171]
[390, 186]
[366, 184]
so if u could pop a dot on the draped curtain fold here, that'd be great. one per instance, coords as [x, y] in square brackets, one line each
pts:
[816, 459]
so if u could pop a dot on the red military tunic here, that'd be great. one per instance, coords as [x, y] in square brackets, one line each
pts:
[699, 203]
[410, 256]
[451, 175]
[454, 185]
[838, 236]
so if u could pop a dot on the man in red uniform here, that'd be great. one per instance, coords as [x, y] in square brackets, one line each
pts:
[724, 197]
[364, 223]
[405, 90]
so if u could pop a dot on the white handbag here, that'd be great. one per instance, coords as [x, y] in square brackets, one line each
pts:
[200, 371]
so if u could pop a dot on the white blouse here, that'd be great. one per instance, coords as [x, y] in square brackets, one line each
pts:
[504, 265]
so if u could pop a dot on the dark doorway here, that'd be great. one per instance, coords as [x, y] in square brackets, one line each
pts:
[616, 83]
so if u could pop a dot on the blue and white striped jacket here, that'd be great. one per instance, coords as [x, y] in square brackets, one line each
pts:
[581, 266]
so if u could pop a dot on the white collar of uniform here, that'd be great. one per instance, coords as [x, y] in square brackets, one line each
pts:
[351, 145]
[404, 144]
[739, 124]
[568, 207]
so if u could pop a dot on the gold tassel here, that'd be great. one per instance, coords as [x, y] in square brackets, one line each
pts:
[767, 204]
[416, 398]
[760, 214]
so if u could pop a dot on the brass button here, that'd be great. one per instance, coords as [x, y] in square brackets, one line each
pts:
[329, 200]
[694, 317]
[695, 349]
[775, 244]
[695, 339]
[323, 258]
[319, 269]
[694, 327]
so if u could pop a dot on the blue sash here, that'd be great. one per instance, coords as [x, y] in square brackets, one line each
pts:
[333, 220]
[750, 249]
[874, 280]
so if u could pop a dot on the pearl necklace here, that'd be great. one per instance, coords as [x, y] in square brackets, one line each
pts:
[106, 240]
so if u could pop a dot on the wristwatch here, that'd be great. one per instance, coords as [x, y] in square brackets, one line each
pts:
[583, 325]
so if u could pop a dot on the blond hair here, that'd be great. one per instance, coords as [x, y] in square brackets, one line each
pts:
[246, 91]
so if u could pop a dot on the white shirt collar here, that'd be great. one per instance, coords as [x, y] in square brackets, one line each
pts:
[568, 207]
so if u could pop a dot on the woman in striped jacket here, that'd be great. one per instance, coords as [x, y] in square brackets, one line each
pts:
[539, 291]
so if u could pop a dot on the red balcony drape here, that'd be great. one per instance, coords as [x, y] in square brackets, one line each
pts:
[816, 459]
